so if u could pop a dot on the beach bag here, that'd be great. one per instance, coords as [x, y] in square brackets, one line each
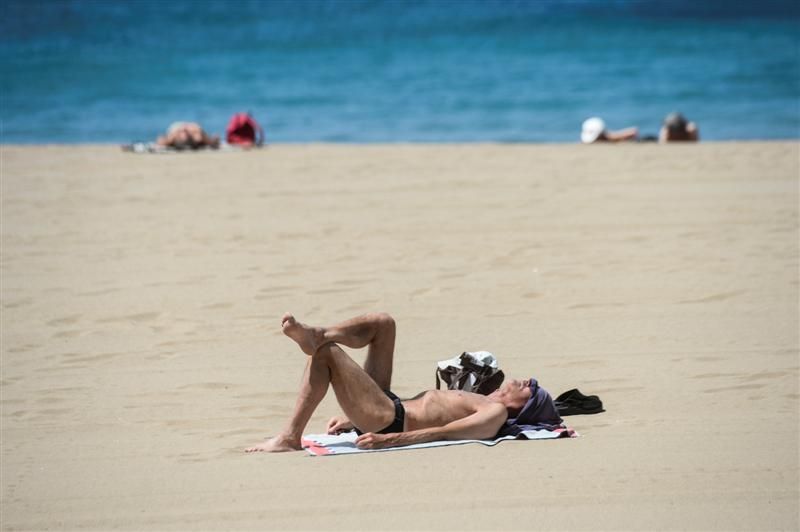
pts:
[244, 130]
[471, 372]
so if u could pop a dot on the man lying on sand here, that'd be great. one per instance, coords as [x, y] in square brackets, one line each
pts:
[382, 419]
[187, 135]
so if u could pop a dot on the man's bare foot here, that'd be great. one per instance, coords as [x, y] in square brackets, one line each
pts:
[308, 338]
[276, 444]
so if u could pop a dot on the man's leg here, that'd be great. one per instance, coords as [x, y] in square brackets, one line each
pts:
[360, 397]
[376, 330]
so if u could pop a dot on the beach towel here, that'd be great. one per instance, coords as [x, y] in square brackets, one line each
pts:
[154, 147]
[328, 444]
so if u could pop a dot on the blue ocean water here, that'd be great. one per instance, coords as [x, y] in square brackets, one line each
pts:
[388, 71]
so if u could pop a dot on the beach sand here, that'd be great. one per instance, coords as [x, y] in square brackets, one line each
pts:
[141, 347]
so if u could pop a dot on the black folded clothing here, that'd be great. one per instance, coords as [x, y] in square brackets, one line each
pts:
[573, 402]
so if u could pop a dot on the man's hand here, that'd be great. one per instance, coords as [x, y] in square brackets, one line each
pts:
[370, 440]
[339, 424]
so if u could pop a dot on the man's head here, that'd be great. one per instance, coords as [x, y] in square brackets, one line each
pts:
[593, 130]
[514, 394]
[527, 403]
[181, 139]
[676, 123]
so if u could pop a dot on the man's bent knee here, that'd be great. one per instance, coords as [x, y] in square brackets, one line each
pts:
[385, 320]
[327, 350]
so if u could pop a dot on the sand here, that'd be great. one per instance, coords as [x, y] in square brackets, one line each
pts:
[141, 349]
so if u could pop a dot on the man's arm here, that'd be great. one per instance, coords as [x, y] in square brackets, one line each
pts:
[629, 133]
[339, 424]
[692, 131]
[483, 424]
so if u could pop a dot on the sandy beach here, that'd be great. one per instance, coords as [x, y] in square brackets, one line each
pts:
[141, 347]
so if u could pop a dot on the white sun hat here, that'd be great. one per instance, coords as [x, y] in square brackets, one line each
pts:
[592, 129]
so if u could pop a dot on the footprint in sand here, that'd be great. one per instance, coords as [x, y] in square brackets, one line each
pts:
[597, 305]
[72, 333]
[66, 320]
[767, 375]
[207, 386]
[584, 363]
[323, 291]
[599, 391]
[136, 318]
[274, 291]
[18, 303]
[52, 412]
[422, 292]
[215, 306]
[714, 297]
[99, 292]
[23, 349]
[735, 388]
[358, 306]
[102, 357]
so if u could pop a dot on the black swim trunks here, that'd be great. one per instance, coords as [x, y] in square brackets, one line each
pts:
[399, 416]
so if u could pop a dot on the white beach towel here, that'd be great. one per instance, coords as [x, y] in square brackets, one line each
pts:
[327, 444]
[154, 147]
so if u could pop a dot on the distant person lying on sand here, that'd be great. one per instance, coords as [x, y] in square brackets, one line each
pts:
[594, 130]
[380, 417]
[187, 136]
[676, 129]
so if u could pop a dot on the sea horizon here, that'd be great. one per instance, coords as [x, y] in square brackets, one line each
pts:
[377, 143]
[422, 72]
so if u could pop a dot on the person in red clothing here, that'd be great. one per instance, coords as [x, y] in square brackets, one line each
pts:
[243, 130]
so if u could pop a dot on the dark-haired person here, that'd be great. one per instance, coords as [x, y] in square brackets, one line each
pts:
[676, 128]
[381, 418]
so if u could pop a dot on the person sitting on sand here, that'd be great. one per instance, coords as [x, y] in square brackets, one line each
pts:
[379, 416]
[187, 135]
[676, 129]
[594, 130]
